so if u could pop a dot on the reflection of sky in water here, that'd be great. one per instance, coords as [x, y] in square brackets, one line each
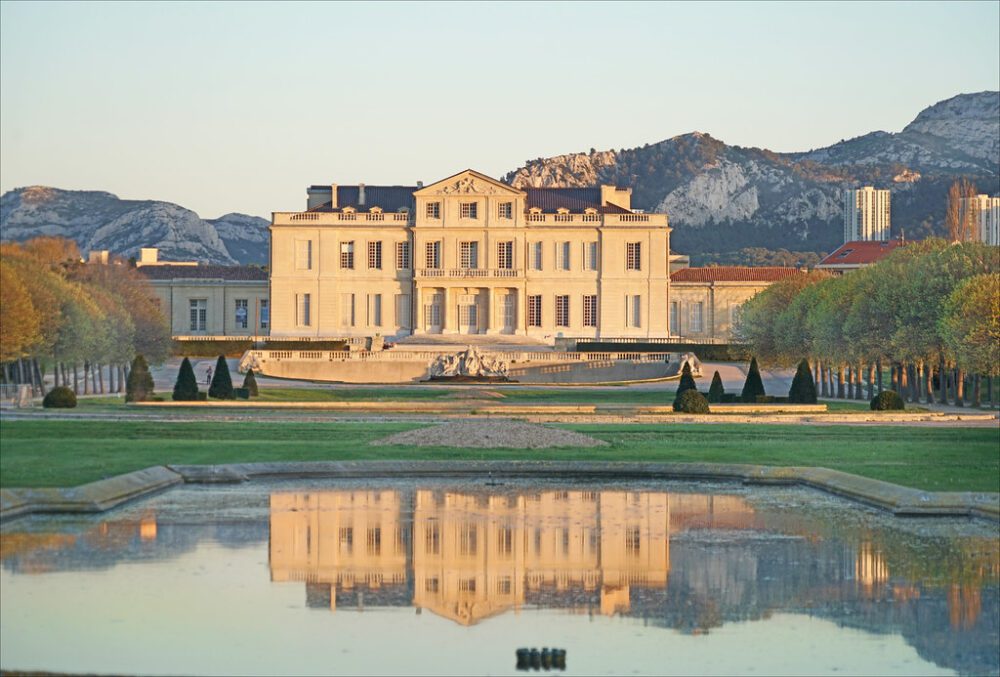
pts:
[448, 579]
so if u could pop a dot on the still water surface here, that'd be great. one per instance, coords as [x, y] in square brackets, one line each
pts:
[442, 577]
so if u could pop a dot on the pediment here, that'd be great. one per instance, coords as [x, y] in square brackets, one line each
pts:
[469, 182]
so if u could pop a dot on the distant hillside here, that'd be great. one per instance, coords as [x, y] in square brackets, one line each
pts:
[723, 198]
[99, 220]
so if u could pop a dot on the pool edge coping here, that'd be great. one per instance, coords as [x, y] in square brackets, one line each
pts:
[102, 495]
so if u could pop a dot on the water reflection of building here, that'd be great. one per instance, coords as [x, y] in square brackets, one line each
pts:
[474, 556]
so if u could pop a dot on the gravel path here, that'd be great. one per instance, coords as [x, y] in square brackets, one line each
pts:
[491, 434]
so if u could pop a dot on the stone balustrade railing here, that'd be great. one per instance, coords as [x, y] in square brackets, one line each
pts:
[512, 357]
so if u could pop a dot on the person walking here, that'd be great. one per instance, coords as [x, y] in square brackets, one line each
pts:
[208, 376]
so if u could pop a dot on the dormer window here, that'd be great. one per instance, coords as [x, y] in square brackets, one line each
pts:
[349, 214]
[375, 214]
[562, 214]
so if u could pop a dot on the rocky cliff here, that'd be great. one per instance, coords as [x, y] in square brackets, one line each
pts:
[99, 220]
[721, 198]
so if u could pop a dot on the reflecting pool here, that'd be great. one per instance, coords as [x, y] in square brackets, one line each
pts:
[452, 577]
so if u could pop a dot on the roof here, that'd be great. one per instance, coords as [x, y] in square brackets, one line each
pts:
[388, 198]
[734, 274]
[395, 198]
[167, 272]
[573, 199]
[860, 253]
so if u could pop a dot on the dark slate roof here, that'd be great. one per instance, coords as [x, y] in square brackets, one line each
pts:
[388, 198]
[860, 253]
[245, 273]
[734, 274]
[573, 199]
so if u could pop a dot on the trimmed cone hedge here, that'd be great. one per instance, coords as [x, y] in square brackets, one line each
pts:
[139, 386]
[687, 380]
[250, 383]
[716, 391]
[753, 386]
[186, 387]
[803, 390]
[222, 382]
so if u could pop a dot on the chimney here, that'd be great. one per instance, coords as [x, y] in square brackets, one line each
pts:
[333, 195]
[361, 195]
[149, 256]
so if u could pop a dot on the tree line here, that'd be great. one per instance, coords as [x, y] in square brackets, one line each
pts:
[83, 323]
[929, 314]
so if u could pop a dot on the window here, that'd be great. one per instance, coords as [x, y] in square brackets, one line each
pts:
[468, 254]
[536, 255]
[535, 311]
[347, 255]
[403, 256]
[505, 540]
[433, 254]
[504, 585]
[562, 311]
[242, 313]
[467, 539]
[346, 535]
[432, 539]
[431, 584]
[506, 210]
[199, 314]
[590, 310]
[265, 314]
[633, 311]
[633, 256]
[432, 314]
[697, 316]
[434, 210]
[633, 541]
[470, 210]
[374, 310]
[375, 255]
[347, 310]
[590, 256]
[675, 319]
[374, 539]
[303, 310]
[562, 255]
[505, 255]
[403, 310]
[303, 254]
[467, 585]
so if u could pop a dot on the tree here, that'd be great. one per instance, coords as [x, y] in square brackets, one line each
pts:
[687, 380]
[186, 387]
[960, 222]
[716, 390]
[250, 383]
[139, 387]
[20, 329]
[753, 386]
[222, 382]
[970, 324]
[803, 390]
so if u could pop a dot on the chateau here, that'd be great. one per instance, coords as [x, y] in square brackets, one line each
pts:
[469, 255]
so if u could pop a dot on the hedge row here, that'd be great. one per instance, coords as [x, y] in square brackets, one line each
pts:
[721, 352]
[236, 347]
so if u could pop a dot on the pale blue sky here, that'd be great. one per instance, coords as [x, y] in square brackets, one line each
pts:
[238, 107]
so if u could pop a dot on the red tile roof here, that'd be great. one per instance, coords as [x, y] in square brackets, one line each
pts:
[860, 253]
[734, 274]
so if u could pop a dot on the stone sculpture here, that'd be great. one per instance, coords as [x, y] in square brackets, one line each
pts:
[470, 363]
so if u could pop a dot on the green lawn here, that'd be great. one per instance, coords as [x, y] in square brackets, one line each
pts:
[66, 453]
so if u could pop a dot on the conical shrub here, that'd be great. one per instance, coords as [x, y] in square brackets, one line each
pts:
[687, 380]
[716, 391]
[222, 382]
[250, 383]
[139, 386]
[753, 386]
[186, 387]
[803, 390]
